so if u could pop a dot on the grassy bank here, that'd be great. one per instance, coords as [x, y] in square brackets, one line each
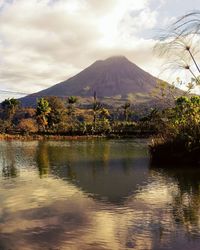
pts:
[45, 137]
[70, 137]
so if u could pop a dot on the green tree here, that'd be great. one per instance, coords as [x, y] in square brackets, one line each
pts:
[42, 111]
[72, 100]
[57, 116]
[104, 123]
[10, 106]
[183, 122]
[187, 116]
[104, 114]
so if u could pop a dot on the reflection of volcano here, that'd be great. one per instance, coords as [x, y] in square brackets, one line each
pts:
[105, 169]
[113, 183]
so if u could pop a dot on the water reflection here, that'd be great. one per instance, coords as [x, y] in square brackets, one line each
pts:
[95, 195]
[96, 167]
[186, 199]
[9, 169]
[42, 160]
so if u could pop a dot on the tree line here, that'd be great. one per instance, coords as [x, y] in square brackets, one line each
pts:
[54, 115]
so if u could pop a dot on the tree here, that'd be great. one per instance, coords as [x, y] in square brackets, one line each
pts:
[104, 114]
[103, 123]
[72, 100]
[187, 114]
[179, 141]
[42, 111]
[96, 107]
[182, 121]
[10, 106]
[126, 108]
[58, 112]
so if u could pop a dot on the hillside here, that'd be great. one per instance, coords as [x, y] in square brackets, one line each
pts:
[115, 80]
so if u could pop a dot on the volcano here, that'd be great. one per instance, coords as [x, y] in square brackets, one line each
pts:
[114, 79]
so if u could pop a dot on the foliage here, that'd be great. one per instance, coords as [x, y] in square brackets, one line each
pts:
[27, 126]
[126, 108]
[181, 137]
[186, 118]
[52, 116]
[42, 111]
[103, 127]
[96, 108]
[10, 106]
[180, 140]
[72, 100]
[5, 125]
[53, 119]
[57, 116]
[155, 121]
[125, 128]
[183, 120]
[104, 114]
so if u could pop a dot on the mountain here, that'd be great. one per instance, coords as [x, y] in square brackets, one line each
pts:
[115, 80]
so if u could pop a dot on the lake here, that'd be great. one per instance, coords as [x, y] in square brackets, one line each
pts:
[93, 195]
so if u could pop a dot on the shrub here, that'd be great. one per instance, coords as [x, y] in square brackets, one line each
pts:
[28, 126]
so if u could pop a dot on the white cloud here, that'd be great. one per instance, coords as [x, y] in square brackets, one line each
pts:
[43, 42]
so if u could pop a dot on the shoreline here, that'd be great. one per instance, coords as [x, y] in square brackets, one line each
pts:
[10, 137]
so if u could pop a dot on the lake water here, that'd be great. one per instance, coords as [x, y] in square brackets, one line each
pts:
[93, 195]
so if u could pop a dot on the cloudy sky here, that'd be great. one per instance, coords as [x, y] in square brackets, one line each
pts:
[43, 42]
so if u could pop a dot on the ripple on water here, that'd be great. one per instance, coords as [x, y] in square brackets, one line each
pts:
[94, 195]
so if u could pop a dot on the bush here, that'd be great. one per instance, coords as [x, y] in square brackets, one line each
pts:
[181, 137]
[125, 128]
[5, 125]
[27, 126]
